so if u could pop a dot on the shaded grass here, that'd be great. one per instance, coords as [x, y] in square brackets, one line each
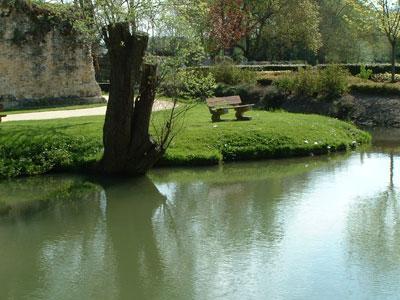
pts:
[35, 147]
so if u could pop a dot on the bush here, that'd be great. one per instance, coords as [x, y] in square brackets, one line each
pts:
[229, 73]
[365, 73]
[307, 82]
[285, 84]
[248, 93]
[328, 83]
[304, 83]
[333, 82]
[189, 84]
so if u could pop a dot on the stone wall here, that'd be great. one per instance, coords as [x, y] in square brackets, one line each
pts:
[42, 57]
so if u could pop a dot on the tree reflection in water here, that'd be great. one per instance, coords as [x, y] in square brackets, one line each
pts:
[254, 230]
[373, 233]
[98, 244]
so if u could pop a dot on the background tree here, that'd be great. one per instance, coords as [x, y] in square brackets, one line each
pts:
[227, 22]
[388, 12]
[348, 32]
[280, 29]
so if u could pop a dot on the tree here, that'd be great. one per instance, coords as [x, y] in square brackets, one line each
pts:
[280, 29]
[348, 32]
[388, 12]
[128, 146]
[259, 13]
[227, 23]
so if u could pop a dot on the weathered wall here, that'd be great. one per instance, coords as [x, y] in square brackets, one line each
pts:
[40, 59]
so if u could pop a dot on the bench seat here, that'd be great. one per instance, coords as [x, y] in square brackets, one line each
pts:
[220, 105]
[232, 107]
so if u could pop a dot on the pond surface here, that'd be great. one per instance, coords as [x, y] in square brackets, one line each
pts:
[311, 228]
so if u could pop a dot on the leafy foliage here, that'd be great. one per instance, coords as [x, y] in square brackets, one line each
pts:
[333, 82]
[365, 73]
[187, 83]
[227, 22]
[328, 83]
[229, 73]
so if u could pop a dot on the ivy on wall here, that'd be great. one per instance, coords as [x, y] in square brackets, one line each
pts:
[43, 19]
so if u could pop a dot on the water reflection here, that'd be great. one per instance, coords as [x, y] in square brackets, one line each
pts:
[131, 206]
[311, 228]
[100, 245]
[373, 234]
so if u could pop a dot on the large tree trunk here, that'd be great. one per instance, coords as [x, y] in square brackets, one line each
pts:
[128, 148]
[393, 61]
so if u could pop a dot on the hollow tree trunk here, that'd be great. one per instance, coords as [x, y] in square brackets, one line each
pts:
[128, 148]
[393, 61]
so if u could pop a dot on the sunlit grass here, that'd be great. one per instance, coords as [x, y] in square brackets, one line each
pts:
[35, 147]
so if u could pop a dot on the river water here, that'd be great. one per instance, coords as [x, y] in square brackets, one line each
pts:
[312, 228]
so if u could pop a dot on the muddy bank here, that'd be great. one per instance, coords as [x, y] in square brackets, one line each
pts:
[363, 110]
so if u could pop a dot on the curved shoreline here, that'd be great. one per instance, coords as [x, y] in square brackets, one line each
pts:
[37, 147]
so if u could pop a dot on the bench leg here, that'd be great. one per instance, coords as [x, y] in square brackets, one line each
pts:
[239, 114]
[216, 114]
[216, 117]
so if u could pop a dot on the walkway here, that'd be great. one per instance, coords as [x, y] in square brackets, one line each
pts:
[62, 114]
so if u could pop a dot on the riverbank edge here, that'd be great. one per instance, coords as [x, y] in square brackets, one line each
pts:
[73, 145]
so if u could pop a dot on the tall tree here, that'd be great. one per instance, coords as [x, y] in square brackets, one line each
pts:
[260, 12]
[278, 29]
[388, 12]
[348, 32]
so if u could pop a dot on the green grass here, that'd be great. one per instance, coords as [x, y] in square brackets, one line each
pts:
[35, 147]
[55, 108]
[268, 135]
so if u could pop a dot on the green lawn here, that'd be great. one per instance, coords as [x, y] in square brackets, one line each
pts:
[34, 147]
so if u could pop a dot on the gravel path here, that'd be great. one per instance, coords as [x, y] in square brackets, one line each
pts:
[62, 114]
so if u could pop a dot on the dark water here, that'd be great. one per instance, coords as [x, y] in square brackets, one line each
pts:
[312, 228]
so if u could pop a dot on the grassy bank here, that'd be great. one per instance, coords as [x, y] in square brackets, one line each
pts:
[35, 147]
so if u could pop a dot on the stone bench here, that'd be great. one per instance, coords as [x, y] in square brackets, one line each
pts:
[221, 105]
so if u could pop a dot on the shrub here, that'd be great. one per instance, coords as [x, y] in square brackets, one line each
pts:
[285, 84]
[228, 73]
[333, 82]
[328, 83]
[307, 82]
[304, 83]
[189, 84]
[247, 92]
[365, 73]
